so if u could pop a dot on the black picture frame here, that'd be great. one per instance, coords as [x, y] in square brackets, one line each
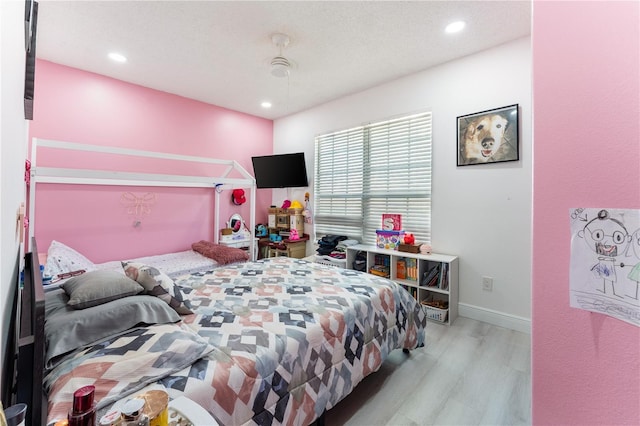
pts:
[30, 30]
[490, 136]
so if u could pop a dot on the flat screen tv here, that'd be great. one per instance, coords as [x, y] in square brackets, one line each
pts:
[280, 171]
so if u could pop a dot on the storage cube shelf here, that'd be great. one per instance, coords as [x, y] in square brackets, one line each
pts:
[427, 277]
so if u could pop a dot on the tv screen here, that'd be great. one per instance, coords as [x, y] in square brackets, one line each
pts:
[280, 171]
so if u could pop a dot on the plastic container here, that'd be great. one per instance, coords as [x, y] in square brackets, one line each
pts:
[388, 239]
[16, 415]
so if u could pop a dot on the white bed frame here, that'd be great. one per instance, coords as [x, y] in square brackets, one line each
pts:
[113, 178]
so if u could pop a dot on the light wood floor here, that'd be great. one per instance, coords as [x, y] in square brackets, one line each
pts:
[470, 373]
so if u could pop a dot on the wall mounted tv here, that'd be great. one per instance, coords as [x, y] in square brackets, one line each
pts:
[280, 171]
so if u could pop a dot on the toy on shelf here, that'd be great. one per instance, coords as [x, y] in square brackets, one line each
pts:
[425, 249]
[261, 230]
[275, 238]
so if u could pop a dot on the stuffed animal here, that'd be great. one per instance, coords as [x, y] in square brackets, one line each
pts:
[425, 249]
[409, 239]
[261, 230]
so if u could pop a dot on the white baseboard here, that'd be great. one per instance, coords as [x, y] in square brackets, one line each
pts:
[494, 317]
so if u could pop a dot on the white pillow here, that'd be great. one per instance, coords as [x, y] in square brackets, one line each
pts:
[61, 259]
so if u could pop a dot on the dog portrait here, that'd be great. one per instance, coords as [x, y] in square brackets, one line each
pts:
[488, 136]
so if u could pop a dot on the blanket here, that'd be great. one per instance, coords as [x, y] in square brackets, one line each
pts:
[291, 338]
[121, 365]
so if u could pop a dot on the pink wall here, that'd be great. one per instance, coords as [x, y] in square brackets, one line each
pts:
[76, 106]
[586, 78]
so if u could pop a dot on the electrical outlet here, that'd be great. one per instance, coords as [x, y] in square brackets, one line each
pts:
[487, 283]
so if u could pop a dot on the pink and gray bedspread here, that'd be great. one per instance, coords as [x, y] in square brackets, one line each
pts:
[277, 341]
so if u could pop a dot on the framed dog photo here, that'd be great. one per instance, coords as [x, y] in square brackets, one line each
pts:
[488, 137]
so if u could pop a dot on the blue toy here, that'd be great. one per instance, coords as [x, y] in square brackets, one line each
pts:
[275, 238]
[261, 230]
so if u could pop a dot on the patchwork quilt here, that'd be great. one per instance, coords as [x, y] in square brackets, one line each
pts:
[284, 339]
[119, 366]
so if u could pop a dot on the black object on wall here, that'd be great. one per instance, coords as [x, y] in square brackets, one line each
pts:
[30, 27]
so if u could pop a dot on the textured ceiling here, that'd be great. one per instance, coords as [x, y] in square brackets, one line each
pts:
[219, 52]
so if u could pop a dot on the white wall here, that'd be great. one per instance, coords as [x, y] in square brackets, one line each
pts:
[480, 213]
[13, 151]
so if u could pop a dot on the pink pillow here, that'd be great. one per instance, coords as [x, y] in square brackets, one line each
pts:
[221, 254]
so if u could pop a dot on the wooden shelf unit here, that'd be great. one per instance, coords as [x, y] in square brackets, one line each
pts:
[446, 284]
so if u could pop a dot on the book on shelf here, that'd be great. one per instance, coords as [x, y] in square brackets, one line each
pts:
[382, 259]
[411, 290]
[444, 283]
[412, 269]
[401, 269]
[430, 277]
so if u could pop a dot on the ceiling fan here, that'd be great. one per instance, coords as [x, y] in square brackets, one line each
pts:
[280, 66]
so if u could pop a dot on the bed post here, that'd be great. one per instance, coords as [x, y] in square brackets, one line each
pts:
[32, 192]
[216, 216]
[252, 222]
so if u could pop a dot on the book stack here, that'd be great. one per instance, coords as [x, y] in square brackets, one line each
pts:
[437, 275]
[407, 269]
[412, 269]
[401, 269]
[379, 270]
[381, 266]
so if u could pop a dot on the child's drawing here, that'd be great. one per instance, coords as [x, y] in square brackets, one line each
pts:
[605, 262]
[634, 275]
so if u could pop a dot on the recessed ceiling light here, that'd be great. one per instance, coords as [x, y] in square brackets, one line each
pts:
[117, 57]
[265, 104]
[455, 27]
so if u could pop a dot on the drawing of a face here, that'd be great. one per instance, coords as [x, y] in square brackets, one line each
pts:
[606, 236]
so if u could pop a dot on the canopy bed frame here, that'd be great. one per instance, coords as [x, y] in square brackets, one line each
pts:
[77, 176]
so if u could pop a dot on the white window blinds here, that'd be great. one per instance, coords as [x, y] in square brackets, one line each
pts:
[366, 171]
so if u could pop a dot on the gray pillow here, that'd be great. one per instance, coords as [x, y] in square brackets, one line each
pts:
[67, 329]
[98, 287]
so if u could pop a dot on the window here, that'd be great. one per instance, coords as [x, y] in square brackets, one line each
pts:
[366, 171]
